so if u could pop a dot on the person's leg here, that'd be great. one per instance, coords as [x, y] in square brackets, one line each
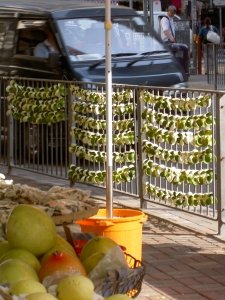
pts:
[210, 58]
[205, 58]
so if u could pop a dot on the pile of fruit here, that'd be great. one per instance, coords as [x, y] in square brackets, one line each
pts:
[38, 264]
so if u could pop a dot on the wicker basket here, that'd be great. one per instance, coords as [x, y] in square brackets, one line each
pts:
[130, 284]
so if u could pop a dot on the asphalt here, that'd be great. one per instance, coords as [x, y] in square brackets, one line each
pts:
[183, 253]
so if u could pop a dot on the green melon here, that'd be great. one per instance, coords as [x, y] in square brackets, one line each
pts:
[31, 229]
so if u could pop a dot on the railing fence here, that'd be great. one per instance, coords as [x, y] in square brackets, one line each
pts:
[182, 28]
[52, 149]
[216, 64]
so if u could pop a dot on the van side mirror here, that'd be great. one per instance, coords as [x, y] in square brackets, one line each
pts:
[54, 60]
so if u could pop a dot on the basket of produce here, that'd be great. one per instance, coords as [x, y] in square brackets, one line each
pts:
[123, 281]
[31, 233]
[111, 270]
[108, 265]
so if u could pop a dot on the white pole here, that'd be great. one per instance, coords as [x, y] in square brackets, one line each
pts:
[108, 76]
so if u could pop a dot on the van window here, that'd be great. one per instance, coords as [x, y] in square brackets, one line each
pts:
[84, 38]
[30, 34]
[28, 38]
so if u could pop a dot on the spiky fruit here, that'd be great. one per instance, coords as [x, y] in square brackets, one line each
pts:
[30, 228]
[61, 261]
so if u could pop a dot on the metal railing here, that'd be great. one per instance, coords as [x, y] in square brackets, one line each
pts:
[45, 148]
[4, 123]
[183, 187]
[216, 64]
[183, 35]
[39, 148]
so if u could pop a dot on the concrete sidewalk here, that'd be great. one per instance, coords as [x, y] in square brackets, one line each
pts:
[199, 81]
[183, 254]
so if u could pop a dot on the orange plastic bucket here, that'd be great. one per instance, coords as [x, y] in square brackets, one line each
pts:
[125, 228]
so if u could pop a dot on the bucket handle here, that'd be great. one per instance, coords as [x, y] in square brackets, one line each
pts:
[144, 218]
[105, 223]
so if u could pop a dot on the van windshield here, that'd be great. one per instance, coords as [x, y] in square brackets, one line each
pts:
[84, 38]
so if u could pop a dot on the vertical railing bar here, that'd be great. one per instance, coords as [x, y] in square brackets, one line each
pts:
[56, 148]
[214, 115]
[61, 142]
[51, 148]
[135, 96]
[220, 102]
[141, 177]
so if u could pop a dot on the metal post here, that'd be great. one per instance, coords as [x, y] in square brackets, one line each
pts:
[131, 3]
[207, 57]
[199, 56]
[71, 123]
[141, 156]
[10, 142]
[194, 25]
[215, 65]
[220, 16]
[150, 8]
[145, 10]
[220, 128]
[108, 76]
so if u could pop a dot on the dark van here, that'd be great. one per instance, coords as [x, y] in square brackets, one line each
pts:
[138, 55]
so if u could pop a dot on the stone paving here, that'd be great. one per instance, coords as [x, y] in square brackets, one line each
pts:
[181, 264]
[183, 255]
